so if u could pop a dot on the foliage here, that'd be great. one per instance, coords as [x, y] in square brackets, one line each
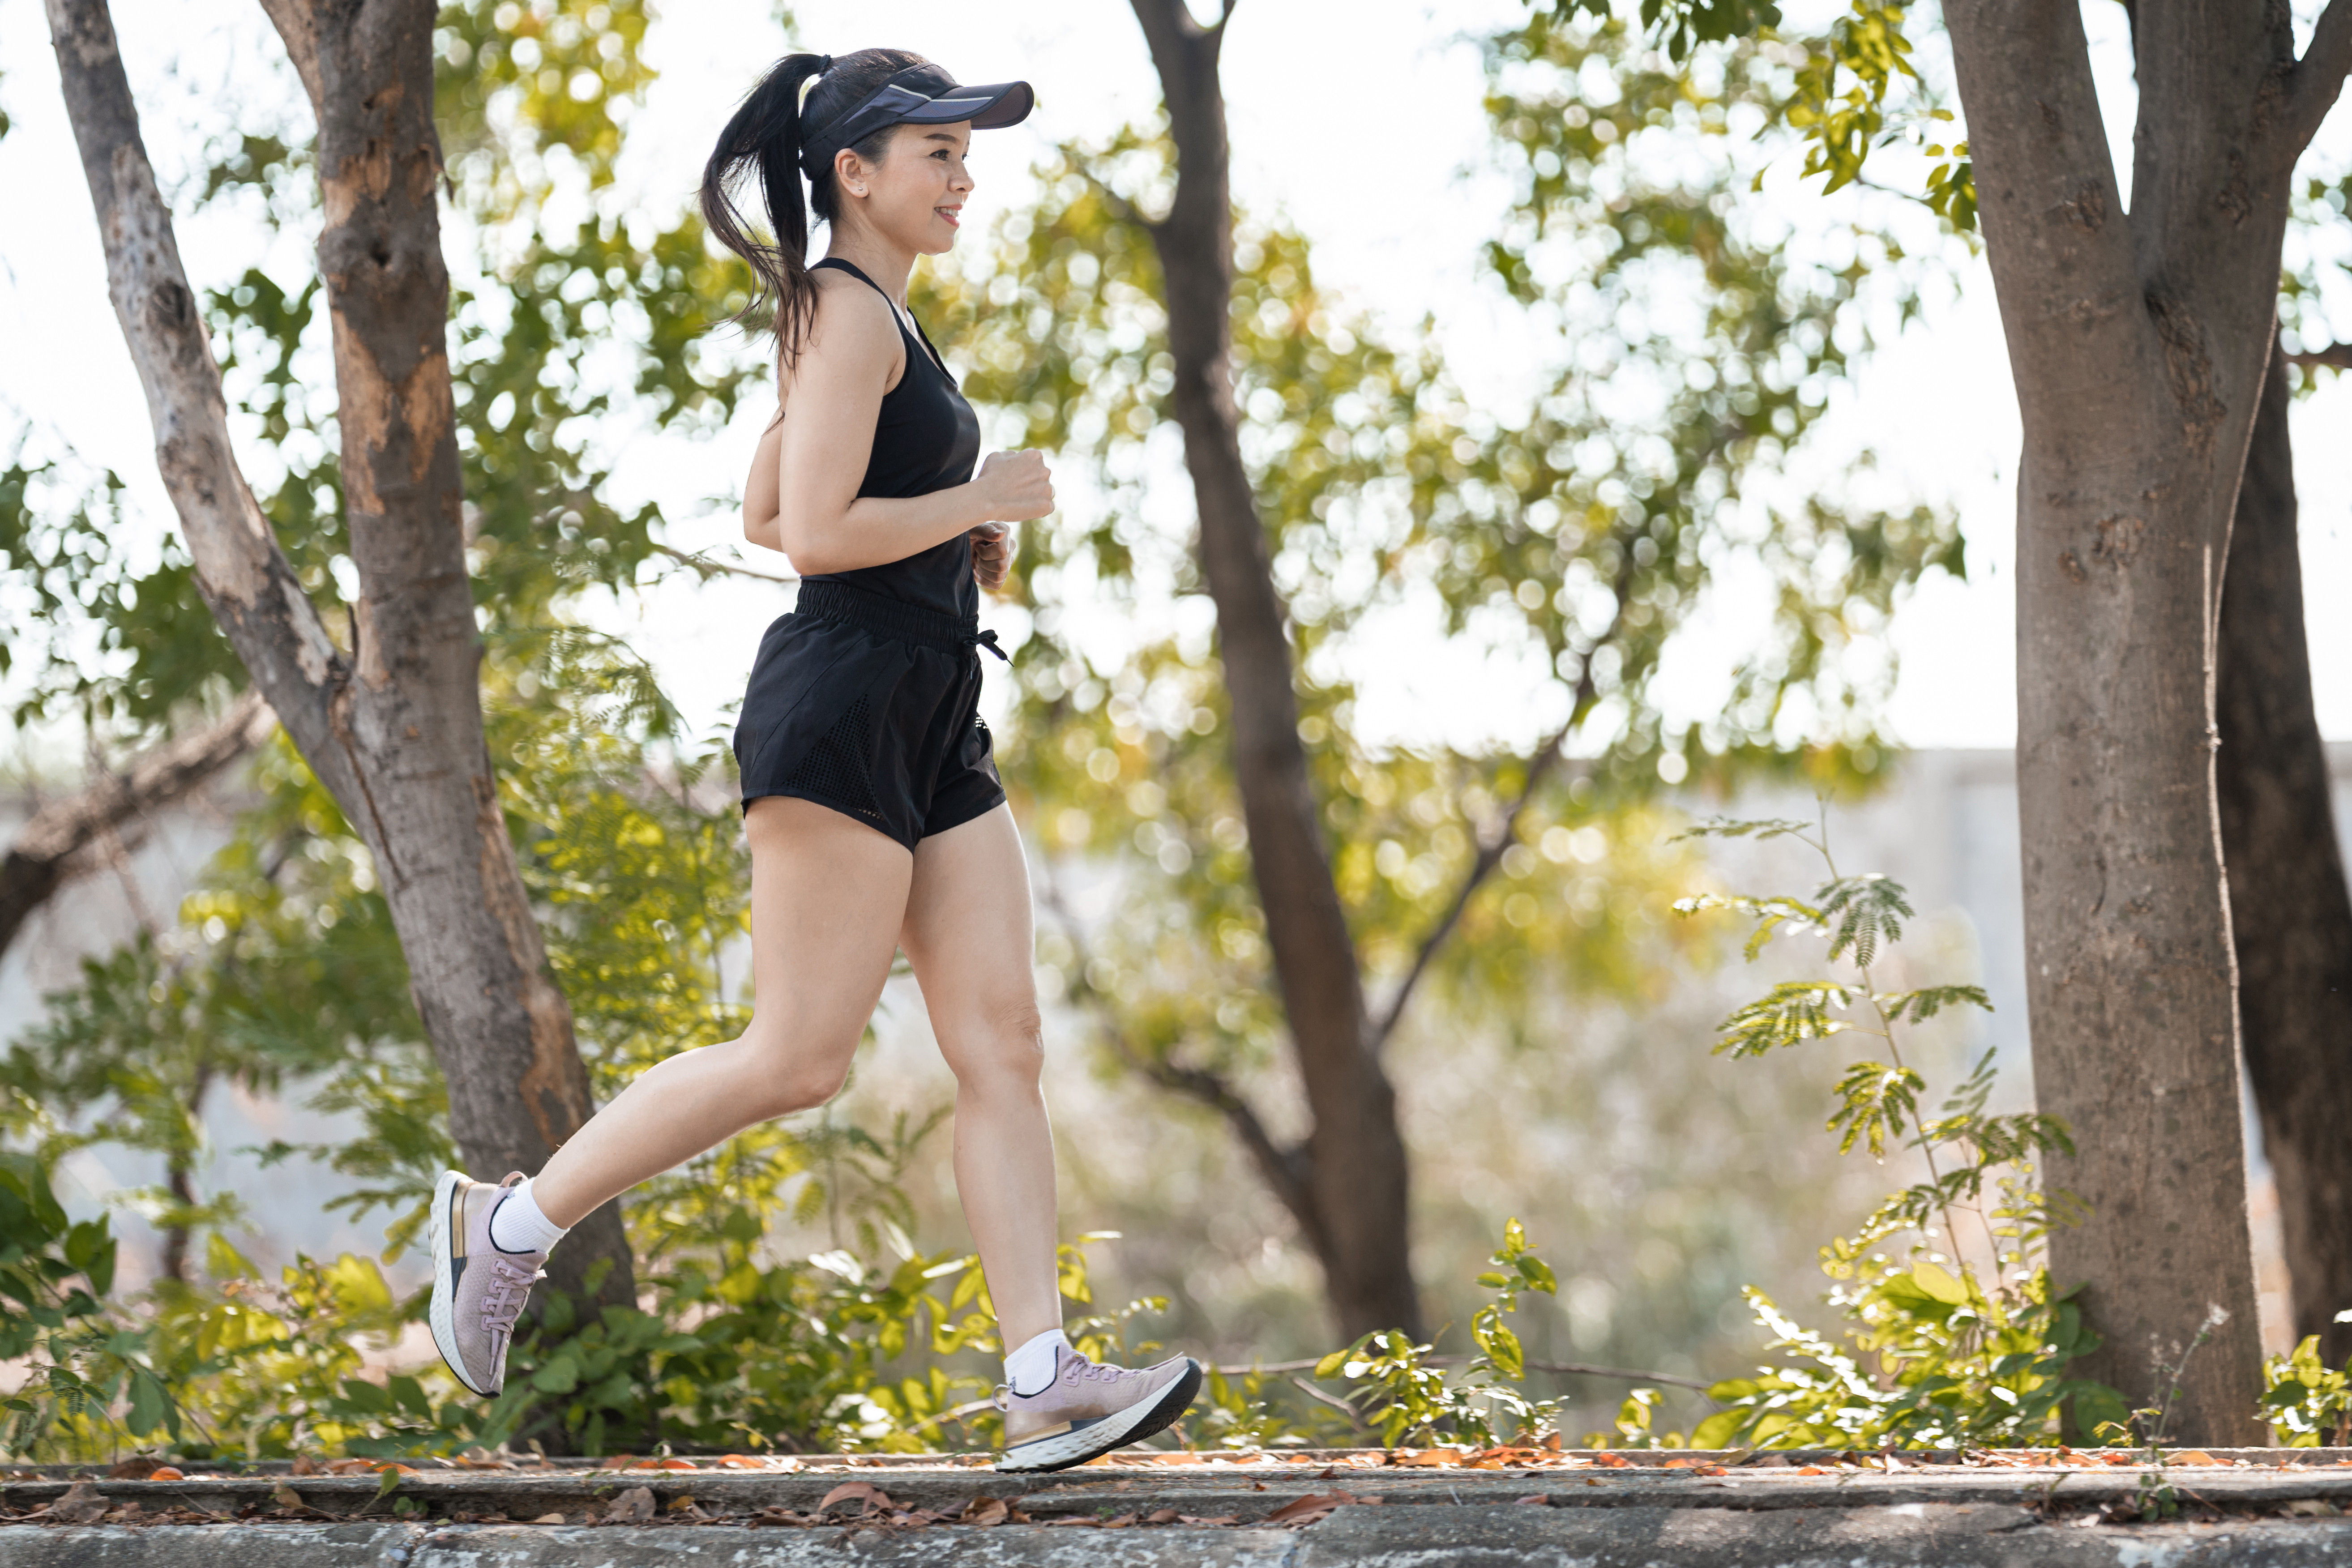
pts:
[1569, 539]
[2306, 1403]
[1854, 89]
[85, 1370]
[1402, 1394]
[1935, 1354]
[1636, 1426]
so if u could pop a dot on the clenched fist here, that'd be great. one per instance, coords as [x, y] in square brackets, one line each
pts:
[991, 555]
[1014, 487]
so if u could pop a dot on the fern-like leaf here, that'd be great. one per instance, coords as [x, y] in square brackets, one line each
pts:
[1863, 914]
[1875, 1103]
[1728, 827]
[1918, 1007]
[1770, 914]
[1789, 1013]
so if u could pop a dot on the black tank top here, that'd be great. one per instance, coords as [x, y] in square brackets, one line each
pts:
[927, 438]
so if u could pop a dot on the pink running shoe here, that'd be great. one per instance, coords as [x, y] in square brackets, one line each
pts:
[1088, 1410]
[477, 1290]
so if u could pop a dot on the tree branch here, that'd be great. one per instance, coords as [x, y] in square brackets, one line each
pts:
[1490, 855]
[706, 567]
[1567, 1368]
[2335, 357]
[38, 863]
[1539, 767]
[1285, 1170]
[2073, 304]
[297, 22]
[239, 569]
[2319, 77]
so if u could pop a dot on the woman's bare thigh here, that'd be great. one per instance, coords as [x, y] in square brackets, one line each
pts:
[828, 896]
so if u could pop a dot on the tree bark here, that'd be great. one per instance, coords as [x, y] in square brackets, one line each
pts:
[394, 728]
[46, 853]
[2138, 345]
[1358, 1220]
[2289, 911]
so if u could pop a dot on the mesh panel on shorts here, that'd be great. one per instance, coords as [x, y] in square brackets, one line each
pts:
[836, 767]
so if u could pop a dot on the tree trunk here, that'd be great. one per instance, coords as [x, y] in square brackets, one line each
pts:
[2289, 911]
[46, 853]
[1350, 1193]
[2138, 346]
[394, 727]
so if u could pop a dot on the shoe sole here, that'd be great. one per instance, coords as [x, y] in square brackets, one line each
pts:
[1065, 1450]
[443, 1314]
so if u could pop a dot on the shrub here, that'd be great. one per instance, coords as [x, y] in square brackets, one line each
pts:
[1933, 1353]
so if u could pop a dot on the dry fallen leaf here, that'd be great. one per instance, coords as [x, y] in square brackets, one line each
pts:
[1811, 1470]
[632, 1507]
[1218, 1519]
[1535, 1499]
[2192, 1456]
[1613, 1462]
[1308, 1510]
[138, 1467]
[985, 1511]
[1162, 1516]
[875, 1497]
[2312, 1508]
[167, 1473]
[1088, 1521]
[304, 1465]
[618, 1462]
[549, 1518]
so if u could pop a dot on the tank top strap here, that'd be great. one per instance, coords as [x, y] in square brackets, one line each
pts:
[902, 318]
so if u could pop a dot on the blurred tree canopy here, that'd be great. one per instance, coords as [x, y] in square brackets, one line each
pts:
[1688, 356]
[1687, 360]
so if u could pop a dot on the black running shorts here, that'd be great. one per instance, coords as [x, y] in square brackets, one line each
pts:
[870, 706]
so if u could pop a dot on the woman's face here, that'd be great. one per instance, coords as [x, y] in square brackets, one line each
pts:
[914, 196]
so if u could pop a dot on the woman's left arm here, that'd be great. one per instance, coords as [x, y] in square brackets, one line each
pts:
[763, 492]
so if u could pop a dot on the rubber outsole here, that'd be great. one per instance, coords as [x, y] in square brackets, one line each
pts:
[1111, 1433]
[442, 1314]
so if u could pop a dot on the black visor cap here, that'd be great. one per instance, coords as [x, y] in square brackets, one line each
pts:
[920, 95]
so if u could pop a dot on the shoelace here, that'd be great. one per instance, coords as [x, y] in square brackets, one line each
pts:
[502, 1300]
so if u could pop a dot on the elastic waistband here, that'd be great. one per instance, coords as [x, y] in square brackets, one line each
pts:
[835, 601]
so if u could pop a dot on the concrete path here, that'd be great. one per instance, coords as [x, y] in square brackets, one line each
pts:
[1296, 1511]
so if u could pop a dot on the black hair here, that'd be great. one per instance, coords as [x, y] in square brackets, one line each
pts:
[765, 135]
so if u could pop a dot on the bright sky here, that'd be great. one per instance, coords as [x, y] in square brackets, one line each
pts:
[1377, 183]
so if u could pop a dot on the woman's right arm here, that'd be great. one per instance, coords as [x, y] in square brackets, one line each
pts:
[821, 450]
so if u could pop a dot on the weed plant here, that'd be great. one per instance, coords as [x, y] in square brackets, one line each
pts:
[1935, 1351]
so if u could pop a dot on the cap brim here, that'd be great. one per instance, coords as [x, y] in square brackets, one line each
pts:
[990, 106]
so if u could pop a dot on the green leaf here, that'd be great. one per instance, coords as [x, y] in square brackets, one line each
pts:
[1918, 1007]
[1863, 913]
[1789, 1013]
[1875, 1103]
[1940, 1284]
[1719, 1430]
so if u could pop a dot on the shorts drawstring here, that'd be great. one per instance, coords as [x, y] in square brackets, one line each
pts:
[987, 639]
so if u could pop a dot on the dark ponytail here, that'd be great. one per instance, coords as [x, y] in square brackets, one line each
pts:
[766, 134]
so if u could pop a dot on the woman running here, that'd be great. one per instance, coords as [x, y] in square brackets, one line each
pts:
[872, 806]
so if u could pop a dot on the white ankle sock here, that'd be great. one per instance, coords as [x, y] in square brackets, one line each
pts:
[1032, 1367]
[516, 1225]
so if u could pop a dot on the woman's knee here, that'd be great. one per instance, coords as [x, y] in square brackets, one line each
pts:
[1000, 1043]
[780, 1077]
